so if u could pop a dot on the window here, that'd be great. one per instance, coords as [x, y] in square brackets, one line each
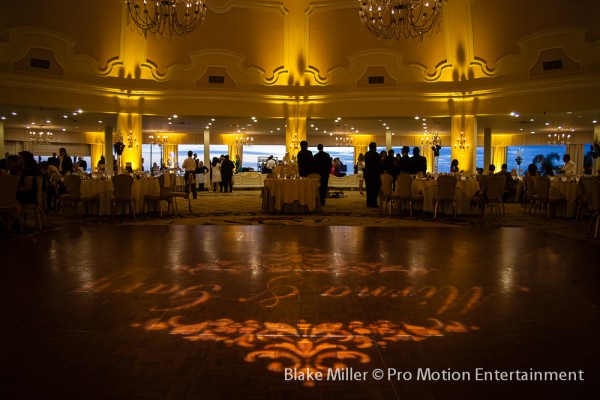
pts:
[551, 154]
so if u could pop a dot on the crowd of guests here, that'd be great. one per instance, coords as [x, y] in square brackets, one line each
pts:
[220, 172]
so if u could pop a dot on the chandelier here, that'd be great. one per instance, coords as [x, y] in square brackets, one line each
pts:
[559, 137]
[389, 19]
[432, 139]
[177, 17]
[344, 141]
[461, 143]
[244, 140]
[158, 140]
[40, 137]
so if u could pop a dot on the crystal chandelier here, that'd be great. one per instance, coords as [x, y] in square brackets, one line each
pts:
[389, 19]
[244, 140]
[461, 143]
[344, 141]
[432, 139]
[158, 140]
[177, 17]
[40, 137]
[559, 137]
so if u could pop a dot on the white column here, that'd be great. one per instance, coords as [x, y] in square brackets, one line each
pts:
[207, 157]
[2, 147]
[108, 142]
[388, 138]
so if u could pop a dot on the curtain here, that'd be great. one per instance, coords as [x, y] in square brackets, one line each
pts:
[499, 156]
[577, 151]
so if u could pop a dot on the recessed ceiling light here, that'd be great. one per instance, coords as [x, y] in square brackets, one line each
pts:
[3, 117]
[13, 113]
[79, 111]
[64, 129]
[174, 115]
[594, 122]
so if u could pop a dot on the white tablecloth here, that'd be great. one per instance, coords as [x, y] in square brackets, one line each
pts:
[105, 190]
[291, 195]
[567, 191]
[465, 190]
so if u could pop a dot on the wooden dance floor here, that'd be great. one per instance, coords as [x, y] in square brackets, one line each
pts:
[298, 312]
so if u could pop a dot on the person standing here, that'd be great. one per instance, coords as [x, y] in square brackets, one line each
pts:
[65, 163]
[201, 175]
[373, 170]
[391, 167]
[52, 160]
[360, 171]
[418, 162]
[189, 165]
[404, 162]
[215, 175]
[305, 160]
[227, 168]
[322, 163]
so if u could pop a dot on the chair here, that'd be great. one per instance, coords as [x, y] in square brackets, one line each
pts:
[37, 207]
[314, 175]
[528, 187]
[122, 185]
[385, 193]
[164, 182]
[8, 198]
[585, 201]
[73, 195]
[185, 194]
[541, 195]
[446, 189]
[403, 194]
[594, 202]
[494, 192]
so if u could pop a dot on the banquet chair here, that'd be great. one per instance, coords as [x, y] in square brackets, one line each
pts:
[73, 195]
[585, 200]
[8, 200]
[166, 187]
[314, 175]
[596, 204]
[541, 196]
[403, 194]
[494, 192]
[185, 194]
[446, 193]
[122, 185]
[528, 188]
[385, 193]
[37, 207]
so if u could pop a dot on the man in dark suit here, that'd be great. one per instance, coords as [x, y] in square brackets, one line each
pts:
[404, 162]
[391, 167]
[227, 168]
[305, 160]
[322, 164]
[372, 174]
[418, 162]
[54, 160]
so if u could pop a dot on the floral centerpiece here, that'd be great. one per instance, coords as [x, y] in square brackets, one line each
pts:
[119, 146]
[436, 150]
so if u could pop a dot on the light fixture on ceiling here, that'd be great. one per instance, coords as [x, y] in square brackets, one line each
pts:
[158, 139]
[243, 139]
[175, 17]
[342, 138]
[389, 19]
[40, 137]
[559, 137]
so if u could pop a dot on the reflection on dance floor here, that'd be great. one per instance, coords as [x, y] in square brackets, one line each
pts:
[240, 311]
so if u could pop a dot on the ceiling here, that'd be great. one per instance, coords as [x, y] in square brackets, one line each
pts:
[75, 121]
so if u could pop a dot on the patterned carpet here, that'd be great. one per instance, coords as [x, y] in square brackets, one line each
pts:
[243, 207]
